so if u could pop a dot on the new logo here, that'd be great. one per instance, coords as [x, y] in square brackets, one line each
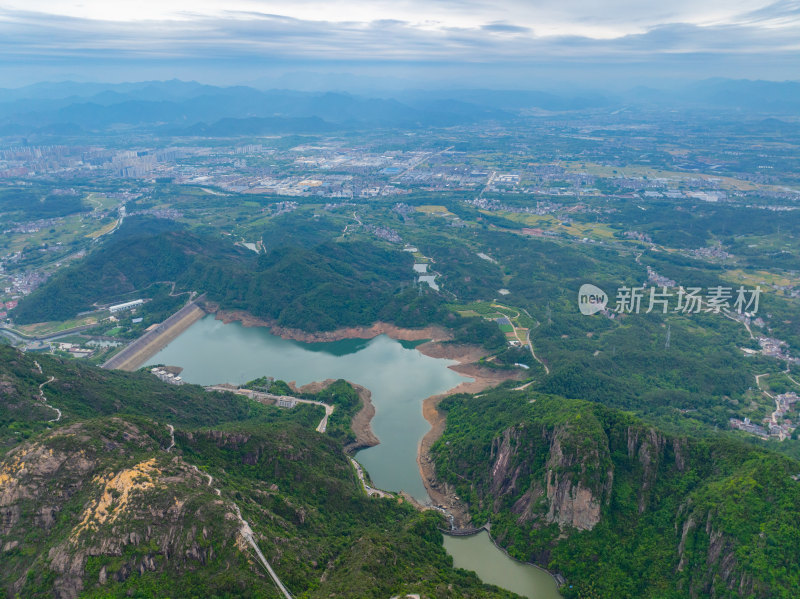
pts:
[591, 299]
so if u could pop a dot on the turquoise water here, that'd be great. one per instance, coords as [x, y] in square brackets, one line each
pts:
[398, 376]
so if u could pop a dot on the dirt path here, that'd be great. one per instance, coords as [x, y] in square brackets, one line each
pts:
[347, 226]
[744, 323]
[535, 357]
[758, 384]
[42, 397]
[244, 527]
[171, 438]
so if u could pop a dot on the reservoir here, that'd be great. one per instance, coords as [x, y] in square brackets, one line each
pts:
[398, 376]
[478, 553]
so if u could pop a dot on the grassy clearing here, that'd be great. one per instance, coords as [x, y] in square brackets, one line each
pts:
[64, 230]
[549, 222]
[100, 202]
[39, 329]
[520, 321]
[103, 231]
[437, 210]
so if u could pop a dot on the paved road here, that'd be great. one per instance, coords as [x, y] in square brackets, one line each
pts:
[244, 529]
[20, 337]
[371, 491]
[260, 395]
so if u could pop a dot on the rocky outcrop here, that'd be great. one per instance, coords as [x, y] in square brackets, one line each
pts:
[718, 566]
[561, 478]
[505, 469]
[575, 499]
[574, 486]
[647, 447]
[556, 475]
[141, 512]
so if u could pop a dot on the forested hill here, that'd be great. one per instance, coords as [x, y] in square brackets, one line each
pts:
[324, 287]
[619, 507]
[98, 503]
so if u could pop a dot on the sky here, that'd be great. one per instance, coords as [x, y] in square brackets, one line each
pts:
[522, 44]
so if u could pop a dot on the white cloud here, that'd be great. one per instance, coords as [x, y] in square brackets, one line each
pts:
[611, 18]
[517, 32]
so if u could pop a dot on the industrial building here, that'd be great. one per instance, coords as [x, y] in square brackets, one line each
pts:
[125, 306]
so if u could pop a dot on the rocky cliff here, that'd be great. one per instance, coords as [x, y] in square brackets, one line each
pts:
[564, 486]
[604, 498]
[89, 504]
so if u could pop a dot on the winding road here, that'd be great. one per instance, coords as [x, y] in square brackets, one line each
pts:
[535, 357]
[42, 397]
[371, 491]
[262, 397]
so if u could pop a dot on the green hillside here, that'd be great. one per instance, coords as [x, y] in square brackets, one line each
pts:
[620, 508]
[97, 504]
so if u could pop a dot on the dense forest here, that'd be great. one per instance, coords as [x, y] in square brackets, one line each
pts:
[327, 286]
[34, 204]
[619, 507]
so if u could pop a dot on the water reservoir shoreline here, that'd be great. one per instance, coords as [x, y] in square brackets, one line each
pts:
[470, 553]
[433, 333]
[398, 386]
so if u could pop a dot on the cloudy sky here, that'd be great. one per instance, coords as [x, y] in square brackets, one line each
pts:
[496, 43]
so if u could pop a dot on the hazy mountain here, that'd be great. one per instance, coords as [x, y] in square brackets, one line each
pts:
[195, 109]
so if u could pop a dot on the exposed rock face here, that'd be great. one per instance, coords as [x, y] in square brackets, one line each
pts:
[27, 473]
[92, 497]
[571, 502]
[571, 480]
[559, 480]
[573, 498]
[719, 564]
[503, 473]
[646, 446]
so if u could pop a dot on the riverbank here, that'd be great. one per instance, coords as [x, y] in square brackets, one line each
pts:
[467, 357]
[435, 333]
[361, 424]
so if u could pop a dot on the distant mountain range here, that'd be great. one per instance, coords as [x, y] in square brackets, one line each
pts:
[193, 109]
[189, 108]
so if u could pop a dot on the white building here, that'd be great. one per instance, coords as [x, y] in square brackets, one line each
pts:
[125, 306]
